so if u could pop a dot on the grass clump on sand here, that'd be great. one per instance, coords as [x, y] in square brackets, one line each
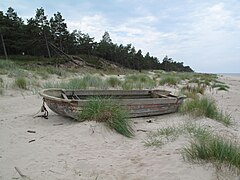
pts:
[111, 114]
[169, 79]
[193, 91]
[206, 147]
[205, 107]
[7, 64]
[138, 81]
[220, 86]
[162, 136]
[86, 82]
[114, 81]
[21, 82]
[10, 68]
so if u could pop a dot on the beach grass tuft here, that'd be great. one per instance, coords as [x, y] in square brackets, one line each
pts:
[21, 82]
[114, 81]
[108, 112]
[206, 147]
[138, 81]
[86, 82]
[207, 108]
[220, 87]
[162, 136]
[169, 80]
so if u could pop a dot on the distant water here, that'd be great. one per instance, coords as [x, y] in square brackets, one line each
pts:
[230, 74]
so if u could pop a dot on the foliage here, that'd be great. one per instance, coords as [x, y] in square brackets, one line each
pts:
[108, 112]
[39, 36]
[205, 107]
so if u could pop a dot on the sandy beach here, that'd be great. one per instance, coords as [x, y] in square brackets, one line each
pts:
[61, 148]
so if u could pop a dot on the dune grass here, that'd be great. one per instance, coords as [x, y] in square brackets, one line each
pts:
[86, 82]
[203, 147]
[206, 147]
[21, 82]
[7, 64]
[169, 80]
[109, 113]
[138, 81]
[220, 87]
[10, 68]
[114, 82]
[207, 108]
[193, 91]
[162, 136]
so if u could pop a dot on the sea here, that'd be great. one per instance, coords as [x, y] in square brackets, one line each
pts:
[230, 74]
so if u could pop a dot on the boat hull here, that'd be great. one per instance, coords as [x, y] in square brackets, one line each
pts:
[137, 103]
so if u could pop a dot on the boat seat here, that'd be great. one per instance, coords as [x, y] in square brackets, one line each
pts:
[64, 96]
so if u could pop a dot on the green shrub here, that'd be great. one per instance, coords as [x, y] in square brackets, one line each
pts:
[111, 114]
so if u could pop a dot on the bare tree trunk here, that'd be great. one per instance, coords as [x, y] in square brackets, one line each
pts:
[61, 47]
[49, 54]
[4, 48]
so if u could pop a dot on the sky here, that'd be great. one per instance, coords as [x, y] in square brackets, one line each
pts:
[204, 34]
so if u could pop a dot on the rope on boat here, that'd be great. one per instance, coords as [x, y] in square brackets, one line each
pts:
[43, 110]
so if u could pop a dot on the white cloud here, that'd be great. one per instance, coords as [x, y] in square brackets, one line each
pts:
[94, 25]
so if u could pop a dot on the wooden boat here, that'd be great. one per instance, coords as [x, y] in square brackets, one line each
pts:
[139, 103]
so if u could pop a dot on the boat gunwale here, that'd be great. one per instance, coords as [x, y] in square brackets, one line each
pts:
[49, 97]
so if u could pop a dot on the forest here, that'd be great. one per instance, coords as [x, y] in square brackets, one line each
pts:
[45, 37]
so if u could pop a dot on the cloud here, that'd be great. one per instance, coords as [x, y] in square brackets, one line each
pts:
[94, 25]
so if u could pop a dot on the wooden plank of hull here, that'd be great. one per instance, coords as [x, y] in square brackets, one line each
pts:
[113, 92]
[63, 108]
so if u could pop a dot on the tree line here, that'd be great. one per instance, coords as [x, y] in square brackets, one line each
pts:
[39, 35]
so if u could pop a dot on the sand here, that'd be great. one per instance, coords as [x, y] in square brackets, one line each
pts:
[61, 148]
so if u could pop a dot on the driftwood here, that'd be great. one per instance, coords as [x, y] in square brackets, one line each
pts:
[143, 130]
[21, 174]
[72, 59]
[31, 140]
[66, 55]
[58, 124]
[31, 131]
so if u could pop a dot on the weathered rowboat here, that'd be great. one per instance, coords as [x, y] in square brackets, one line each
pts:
[139, 103]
